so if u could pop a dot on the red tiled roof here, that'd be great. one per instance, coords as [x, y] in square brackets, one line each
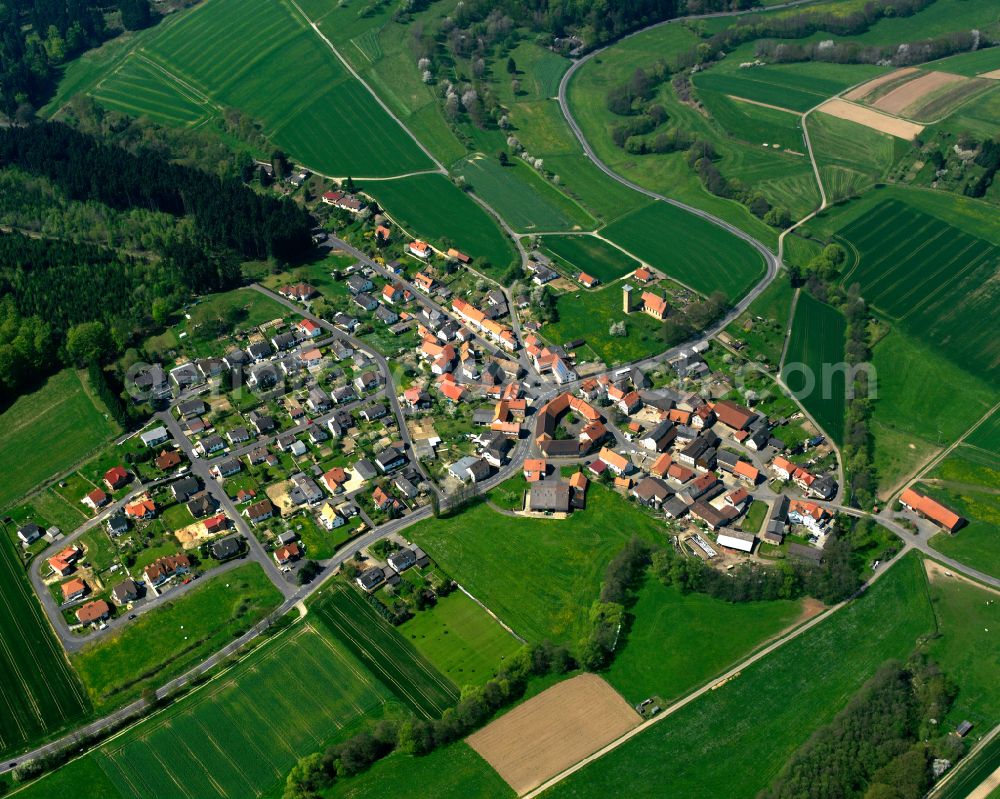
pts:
[930, 508]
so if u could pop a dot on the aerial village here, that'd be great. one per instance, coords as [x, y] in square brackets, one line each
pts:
[291, 439]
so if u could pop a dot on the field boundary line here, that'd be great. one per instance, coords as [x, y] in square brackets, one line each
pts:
[496, 618]
[738, 99]
[788, 329]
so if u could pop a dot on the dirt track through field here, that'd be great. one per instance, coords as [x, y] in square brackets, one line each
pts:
[904, 96]
[552, 731]
[867, 88]
[871, 119]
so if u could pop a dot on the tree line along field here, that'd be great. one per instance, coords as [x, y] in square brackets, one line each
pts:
[346, 615]
[931, 278]
[689, 249]
[47, 431]
[592, 255]
[431, 206]
[754, 722]
[817, 342]
[39, 693]
[309, 104]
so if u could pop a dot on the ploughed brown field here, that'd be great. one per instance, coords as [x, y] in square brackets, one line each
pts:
[902, 97]
[554, 730]
[871, 118]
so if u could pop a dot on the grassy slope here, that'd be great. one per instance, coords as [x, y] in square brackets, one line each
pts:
[756, 721]
[525, 200]
[674, 643]
[238, 735]
[539, 576]
[818, 335]
[307, 101]
[431, 206]
[851, 157]
[460, 638]
[49, 430]
[168, 640]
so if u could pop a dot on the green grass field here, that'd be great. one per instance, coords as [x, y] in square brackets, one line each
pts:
[754, 124]
[797, 87]
[591, 255]
[967, 649]
[540, 576]
[589, 314]
[47, 431]
[933, 281]
[343, 611]
[676, 641]
[139, 87]
[40, 693]
[753, 723]
[431, 207]
[460, 639]
[240, 734]
[686, 247]
[309, 104]
[528, 202]
[450, 772]
[987, 435]
[924, 403]
[969, 64]
[817, 343]
[167, 641]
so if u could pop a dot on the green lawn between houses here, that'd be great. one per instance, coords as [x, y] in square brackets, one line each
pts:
[166, 641]
[465, 643]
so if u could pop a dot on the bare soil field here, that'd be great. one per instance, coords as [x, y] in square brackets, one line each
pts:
[993, 74]
[912, 91]
[552, 731]
[871, 119]
[867, 88]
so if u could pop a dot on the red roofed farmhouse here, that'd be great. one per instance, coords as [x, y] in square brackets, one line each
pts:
[931, 509]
